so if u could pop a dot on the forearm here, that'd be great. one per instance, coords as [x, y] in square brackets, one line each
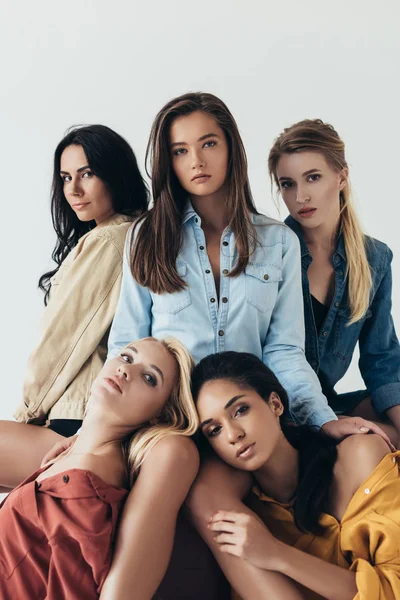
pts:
[330, 581]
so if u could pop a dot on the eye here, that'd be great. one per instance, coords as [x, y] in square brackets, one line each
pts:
[87, 174]
[286, 185]
[179, 151]
[66, 178]
[150, 379]
[214, 431]
[210, 144]
[241, 410]
[313, 177]
[126, 358]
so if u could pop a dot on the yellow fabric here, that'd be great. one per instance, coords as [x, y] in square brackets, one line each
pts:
[75, 326]
[367, 540]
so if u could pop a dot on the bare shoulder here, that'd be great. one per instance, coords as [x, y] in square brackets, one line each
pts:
[358, 456]
[173, 452]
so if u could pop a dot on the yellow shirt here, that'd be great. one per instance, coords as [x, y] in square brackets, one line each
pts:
[75, 326]
[367, 540]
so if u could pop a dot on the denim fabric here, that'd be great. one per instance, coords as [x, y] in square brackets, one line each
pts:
[330, 352]
[260, 311]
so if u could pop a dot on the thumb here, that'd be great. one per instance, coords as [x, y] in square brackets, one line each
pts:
[363, 429]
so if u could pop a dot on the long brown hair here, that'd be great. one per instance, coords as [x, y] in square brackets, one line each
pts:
[317, 136]
[158, 241]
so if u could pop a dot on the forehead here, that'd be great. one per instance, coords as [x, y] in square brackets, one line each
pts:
[73, 157]
[296, 163]
[191, 127]
[215, 394]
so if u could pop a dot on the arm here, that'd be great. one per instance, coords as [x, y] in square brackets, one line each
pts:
[283, 350]
[132, 320]
[380, 352]
[146, 530]
[73, 324]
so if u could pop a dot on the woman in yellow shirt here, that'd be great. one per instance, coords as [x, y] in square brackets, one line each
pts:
[326, 520]
[97, 191]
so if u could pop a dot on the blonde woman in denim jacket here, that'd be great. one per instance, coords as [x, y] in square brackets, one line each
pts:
[97, 191]
[346, 275]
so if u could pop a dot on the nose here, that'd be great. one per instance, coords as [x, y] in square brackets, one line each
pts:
[198, 161]
[123, 372]
[302, 195]
[235, 434]
[74, 188]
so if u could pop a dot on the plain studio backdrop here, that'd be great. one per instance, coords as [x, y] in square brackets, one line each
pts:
[117, 63]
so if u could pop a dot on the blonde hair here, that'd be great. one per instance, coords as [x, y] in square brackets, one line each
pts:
[317, 136]
[178, 417]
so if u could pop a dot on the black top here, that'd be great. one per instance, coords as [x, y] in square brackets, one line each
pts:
[320, 311]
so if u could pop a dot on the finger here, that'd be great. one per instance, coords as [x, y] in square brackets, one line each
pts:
[224, 515]
[222, 526]
[230, 549]
[225, 538]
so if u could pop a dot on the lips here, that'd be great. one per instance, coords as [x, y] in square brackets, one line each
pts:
[245, 450]
[201, 177]
[307, 211]
[80, 205]
[114, 383]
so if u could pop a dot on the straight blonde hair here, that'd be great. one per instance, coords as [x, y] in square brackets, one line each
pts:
[178, 417]
[317, 136]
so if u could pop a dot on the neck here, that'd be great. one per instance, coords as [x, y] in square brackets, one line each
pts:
[97, 435]
[322, 237]
[212, 210]
[279, 476]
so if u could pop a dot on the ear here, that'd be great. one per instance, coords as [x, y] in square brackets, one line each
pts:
[343, 178]
[275, 404]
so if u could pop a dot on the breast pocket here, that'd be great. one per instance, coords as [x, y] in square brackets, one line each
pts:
[173, 303]
[346, 337]
[262, 283]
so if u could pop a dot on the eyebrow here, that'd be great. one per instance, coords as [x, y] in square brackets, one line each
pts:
[201, 139]
[78, 170]
[153, 366]
[303, 175]
[227, 405]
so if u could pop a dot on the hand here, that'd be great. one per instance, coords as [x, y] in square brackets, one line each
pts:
[245, 536]
[349, 425]
[58, 448]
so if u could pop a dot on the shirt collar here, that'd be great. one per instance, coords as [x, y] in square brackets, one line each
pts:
[188, 212]
[294, 225]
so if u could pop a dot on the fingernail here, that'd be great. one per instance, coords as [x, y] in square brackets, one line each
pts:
[364, 429]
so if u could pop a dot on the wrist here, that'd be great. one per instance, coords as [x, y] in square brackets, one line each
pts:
[278, 559]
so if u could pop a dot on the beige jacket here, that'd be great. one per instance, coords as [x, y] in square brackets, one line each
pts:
[75, 326]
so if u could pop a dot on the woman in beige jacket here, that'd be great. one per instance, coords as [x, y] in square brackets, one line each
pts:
[97, 191]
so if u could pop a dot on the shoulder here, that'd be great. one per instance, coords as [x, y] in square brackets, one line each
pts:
[270, 231]
[358, 456]
[112, 234]
[379, 255]
[173, 451]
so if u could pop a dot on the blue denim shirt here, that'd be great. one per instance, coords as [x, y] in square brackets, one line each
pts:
[330, 352]
[260, 311]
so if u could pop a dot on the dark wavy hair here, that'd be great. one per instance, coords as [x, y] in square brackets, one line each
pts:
[159, 238]
[111, 158]
[317, 451]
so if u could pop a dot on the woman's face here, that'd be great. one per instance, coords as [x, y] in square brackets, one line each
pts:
[242, 427]
[199, 153]
[86, 193]
[310, 188]
[135, 386]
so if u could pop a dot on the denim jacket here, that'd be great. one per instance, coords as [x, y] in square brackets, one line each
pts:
[330, 352]
[260, 311]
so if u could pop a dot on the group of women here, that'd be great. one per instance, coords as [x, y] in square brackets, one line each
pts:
[290, 503]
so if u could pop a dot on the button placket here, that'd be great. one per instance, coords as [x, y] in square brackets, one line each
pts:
[224, 286]
[208, 277]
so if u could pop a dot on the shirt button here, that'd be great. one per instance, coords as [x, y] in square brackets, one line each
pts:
[65, 478]
[336, 304]
[224, 300]
[212, 299]
[324, 333]
[201, 247]
[208, 271]
[225, 243]
[393, 459]
[196, 220]
[340, 272]
[266, 276]
[220, 333]
[225, 272]
[367, 490]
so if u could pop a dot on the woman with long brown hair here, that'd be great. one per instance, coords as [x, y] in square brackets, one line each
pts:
[346, 275]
